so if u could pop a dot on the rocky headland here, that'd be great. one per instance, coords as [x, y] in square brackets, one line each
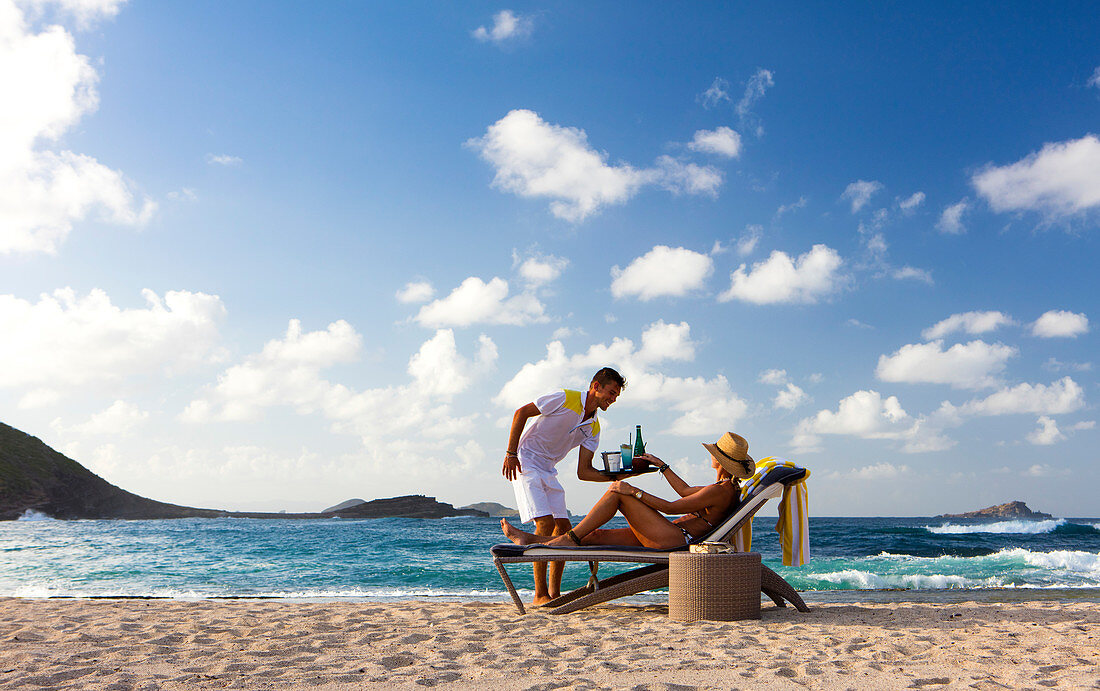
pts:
[34, 477]
[1013, 510]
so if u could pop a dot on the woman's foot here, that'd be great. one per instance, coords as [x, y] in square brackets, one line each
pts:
[515, 534]
[564, 541]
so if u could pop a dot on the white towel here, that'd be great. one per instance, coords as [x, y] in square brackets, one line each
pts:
[794, 514]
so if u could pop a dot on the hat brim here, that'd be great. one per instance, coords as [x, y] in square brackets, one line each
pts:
[739, 468]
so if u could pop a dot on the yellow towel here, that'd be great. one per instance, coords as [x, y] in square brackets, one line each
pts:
[794, 515]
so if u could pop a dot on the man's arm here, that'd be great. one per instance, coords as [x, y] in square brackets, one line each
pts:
[511, 457]
[585, 470]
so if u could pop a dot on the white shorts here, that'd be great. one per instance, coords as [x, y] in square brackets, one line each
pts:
[539, 493]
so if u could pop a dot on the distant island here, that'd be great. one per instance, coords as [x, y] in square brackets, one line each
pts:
[1012, 510]
[493, 509]
[34, 477]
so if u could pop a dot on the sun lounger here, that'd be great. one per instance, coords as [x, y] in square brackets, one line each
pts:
[655, 575]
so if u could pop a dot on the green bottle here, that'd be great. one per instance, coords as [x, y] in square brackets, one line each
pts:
[639, 446]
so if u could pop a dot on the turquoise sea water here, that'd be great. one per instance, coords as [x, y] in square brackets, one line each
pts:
[411, 558]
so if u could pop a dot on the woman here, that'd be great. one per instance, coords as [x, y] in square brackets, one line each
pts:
[706, 506]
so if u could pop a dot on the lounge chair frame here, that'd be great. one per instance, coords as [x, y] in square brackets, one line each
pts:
[655, 574]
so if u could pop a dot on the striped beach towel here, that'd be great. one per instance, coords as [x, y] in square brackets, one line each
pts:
[794, 515]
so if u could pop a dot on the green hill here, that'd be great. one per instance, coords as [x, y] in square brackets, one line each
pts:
[35, 477]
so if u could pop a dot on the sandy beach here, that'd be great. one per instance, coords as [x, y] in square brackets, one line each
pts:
[265, 644]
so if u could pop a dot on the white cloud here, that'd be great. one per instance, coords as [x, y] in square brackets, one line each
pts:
[911, 202]
[438, 368]
[758, 84]
[906, 273]
[1094, 80]
[563, 332]
[662, 272]
[971, 322]
[1047, 433]
[775, 377]
[416, 291]
[65, 340]
[540, 270]
[287, 373]
[477, 302]
[702, 407]
[972, 365]
[46, 87]
[790, 398]
[118, 419]
[864, 414]
[787, 208]
[223, 160]
[85, 12]
[746, 244]
[507, 26]
[1056, 365]
[860, 192]
[1060, 324]
[685, 178]
[722, 141]
[1060, 180]
[876, 471]
[717, 92]
[534, 158]
[951, 220]
[1063, 396]
[780, 279]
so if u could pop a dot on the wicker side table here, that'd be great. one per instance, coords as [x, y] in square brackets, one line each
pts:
[718, 587]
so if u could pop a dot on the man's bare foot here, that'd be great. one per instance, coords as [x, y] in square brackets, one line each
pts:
[540, 601]
[515, 534]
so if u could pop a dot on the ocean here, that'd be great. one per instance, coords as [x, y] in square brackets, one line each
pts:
[396, 558]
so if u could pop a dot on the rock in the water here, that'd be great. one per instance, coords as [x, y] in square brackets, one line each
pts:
[344, 505]
[1013, 509]
[493, 509]
[412, 506]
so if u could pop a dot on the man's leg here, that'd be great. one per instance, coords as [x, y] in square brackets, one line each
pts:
[561, 527]
[544, 525]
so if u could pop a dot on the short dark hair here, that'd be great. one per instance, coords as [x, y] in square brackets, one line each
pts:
[608, 376]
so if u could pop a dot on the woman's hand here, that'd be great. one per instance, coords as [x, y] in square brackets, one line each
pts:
[620, 487]
[651, 458]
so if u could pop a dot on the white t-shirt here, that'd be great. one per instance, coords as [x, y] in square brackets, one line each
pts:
[558, 430]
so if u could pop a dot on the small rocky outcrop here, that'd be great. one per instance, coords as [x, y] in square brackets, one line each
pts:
[493, 509]
[1012, 510]
[344, 505]
[411, 506]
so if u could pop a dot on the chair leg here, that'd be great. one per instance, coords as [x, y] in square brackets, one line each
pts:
[774, 586]
[508, 584]
[629, 583]
[591, 587]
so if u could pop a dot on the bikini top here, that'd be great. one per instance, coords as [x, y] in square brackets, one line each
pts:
[699, 514]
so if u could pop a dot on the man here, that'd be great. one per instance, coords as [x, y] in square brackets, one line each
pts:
[564, 419]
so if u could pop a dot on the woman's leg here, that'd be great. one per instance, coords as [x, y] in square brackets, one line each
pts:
[650, 527]
[604, 510]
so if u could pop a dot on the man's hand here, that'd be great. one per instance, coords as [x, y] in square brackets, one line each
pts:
[511, 467]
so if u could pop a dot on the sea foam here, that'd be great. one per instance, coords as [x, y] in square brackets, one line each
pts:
[1002, 527]
[32, 515]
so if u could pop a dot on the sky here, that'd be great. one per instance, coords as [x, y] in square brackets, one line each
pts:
[272, 256]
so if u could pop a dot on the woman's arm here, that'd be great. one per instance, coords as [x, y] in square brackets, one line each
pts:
[678, 485]
[703, 498]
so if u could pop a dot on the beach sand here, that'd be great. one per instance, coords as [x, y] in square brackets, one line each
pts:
[268, 644]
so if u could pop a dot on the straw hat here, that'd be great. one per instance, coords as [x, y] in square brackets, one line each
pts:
[732, 452]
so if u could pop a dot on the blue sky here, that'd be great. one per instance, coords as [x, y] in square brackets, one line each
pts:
[265, 256]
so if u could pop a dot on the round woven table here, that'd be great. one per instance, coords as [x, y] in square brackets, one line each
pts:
[716, 587]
